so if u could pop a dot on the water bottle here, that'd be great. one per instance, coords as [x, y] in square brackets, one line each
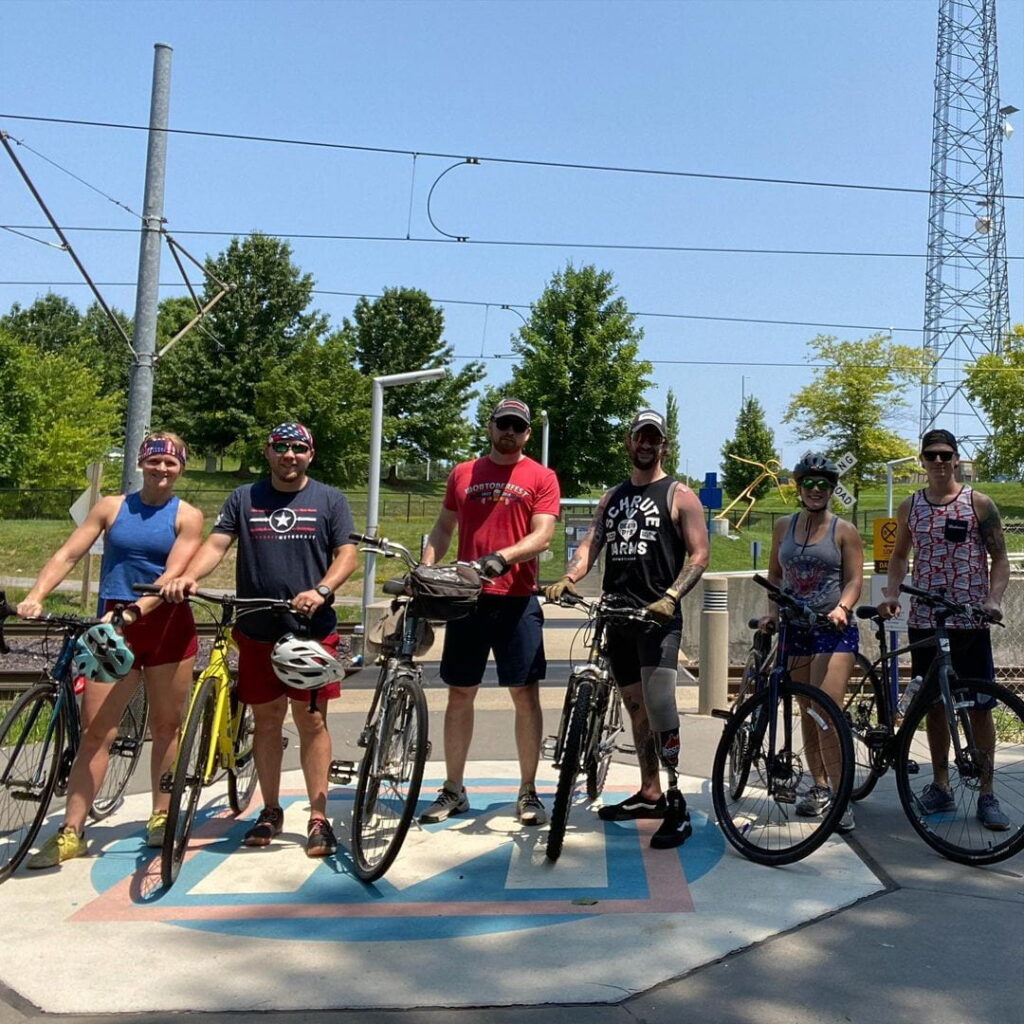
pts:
[909, 694]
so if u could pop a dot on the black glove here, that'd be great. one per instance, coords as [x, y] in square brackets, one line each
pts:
[663, 611]
[493, 565]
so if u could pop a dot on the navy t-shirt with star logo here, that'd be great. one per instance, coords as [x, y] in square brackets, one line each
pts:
[286, 541]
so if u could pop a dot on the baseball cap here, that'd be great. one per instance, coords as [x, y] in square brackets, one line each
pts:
[939, 436]
[512, 407]
[291, 432]
[649, 418]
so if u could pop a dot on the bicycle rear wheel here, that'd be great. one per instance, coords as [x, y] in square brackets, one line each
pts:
[760, 820]
[572, 750]
[862, 707]
[242, 770]
[125, 752]
[28, 770]
[390, 774]
[607, 727]
[956, 831]
[187, 785]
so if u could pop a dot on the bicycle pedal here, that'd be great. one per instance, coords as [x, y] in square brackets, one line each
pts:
[785, 795]
[364, 738]
[875, 738]
[547, 747]
[341, 772]
[913, 768]
[124, 748]
[166, 782]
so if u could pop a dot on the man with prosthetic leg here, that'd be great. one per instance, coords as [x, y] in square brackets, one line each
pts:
[657, 550]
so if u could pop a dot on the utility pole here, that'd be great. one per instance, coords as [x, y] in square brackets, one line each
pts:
[147, 297]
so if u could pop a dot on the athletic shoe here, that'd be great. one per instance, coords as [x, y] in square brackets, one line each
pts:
[320, 840]
[64, 844]
[814, 802]
[449, 801]
[529, 809]
[846, 822]
[155, 829]
[676, 828]
[633, 807]
[268, 824]
[934, 799]
[990, 814]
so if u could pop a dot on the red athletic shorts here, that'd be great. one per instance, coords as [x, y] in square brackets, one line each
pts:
[164, 636]
[257, 681]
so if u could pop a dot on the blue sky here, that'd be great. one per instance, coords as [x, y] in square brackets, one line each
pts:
[827, 91]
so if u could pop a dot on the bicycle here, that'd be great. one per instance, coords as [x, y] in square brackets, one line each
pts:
[883, 742]
[40, 736]
[591, 721]
[762, 766]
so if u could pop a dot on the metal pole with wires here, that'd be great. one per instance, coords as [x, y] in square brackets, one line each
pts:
[147, 296]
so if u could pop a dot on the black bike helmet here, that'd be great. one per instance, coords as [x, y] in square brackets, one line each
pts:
[816, 464]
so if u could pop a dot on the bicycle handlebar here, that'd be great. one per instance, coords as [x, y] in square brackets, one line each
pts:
[249, 603]
[799, 608]
[940, 601]
[386, 548]
[607, 611]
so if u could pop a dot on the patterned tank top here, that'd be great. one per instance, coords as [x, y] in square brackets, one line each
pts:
[949, 554]
[813, 572]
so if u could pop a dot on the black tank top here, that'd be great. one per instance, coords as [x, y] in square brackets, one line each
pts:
[644, 550]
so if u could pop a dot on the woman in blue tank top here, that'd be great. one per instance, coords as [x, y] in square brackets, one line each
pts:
[148, 536]
[819, 558]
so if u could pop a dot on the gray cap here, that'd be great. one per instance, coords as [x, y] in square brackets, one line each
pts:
[512, 407]
[649, 418]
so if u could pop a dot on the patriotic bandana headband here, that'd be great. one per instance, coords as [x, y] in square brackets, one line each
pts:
[291, 432]
[161, 446]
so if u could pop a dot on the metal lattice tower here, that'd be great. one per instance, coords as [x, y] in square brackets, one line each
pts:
[966, 312]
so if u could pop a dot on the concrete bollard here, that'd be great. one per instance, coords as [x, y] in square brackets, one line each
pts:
[714, 646]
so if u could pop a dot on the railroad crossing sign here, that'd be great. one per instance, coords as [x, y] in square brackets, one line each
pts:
[841, 494]
[884, 540]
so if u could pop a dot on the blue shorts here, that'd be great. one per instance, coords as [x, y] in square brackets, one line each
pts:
[510, 627]
[803, 643]
[969, 649]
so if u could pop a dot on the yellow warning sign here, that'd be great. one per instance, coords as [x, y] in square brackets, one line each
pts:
[884, 538]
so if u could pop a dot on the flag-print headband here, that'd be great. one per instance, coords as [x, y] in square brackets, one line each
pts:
[291, 432]
[161, 446]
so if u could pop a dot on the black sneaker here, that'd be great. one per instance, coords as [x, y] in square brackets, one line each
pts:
[320, 840]
[676, 828]
[633, 807]
[268, 824]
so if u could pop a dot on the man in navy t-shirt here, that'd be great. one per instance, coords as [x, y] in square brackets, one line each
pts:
[293, 543]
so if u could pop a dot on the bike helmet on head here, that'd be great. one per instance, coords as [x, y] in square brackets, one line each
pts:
[304, 664]
[815, 464]
[101, 654]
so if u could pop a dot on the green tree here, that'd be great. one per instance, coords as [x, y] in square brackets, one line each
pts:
[671, 461]
[399, 332]
[51, 323]
[18, 410]
[580, 360]
[753, 440]
[855, 400]
[996, 384]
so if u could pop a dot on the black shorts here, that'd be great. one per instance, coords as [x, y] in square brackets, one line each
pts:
[969, 649]
[510, 627]
[633, 648]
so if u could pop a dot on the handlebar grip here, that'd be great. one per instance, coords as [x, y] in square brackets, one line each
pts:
[396, 588]
[866, 611]
[763, 581]
[146, 588]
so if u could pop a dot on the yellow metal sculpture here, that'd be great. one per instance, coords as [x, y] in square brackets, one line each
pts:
[769, 469]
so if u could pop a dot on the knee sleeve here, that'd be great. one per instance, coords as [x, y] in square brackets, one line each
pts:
[659, 687]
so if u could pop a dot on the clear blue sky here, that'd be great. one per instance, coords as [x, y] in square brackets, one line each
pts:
[830, 91]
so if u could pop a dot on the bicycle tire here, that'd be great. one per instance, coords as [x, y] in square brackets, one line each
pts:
[390, 775]
[242, 770]
[958, 833]
[125, 752]
[187, 784]
[750, 681]
[599, 758]
[572, 750]
[759, 823]
[862, 705]
[28, 771]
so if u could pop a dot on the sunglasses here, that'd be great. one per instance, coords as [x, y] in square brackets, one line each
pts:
[512, 423]
[816, 484]
[941, 456]
[280, 447]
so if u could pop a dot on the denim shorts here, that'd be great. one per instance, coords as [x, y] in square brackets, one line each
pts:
[803, 643]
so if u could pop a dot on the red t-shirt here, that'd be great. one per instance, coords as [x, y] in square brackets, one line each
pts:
[495, 505]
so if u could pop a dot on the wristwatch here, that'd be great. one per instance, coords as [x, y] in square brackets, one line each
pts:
[324, 591]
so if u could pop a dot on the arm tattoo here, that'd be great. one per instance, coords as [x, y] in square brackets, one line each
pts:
[687, 578]
[992, 533]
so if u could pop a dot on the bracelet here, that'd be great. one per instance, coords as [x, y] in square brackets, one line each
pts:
[849, 611]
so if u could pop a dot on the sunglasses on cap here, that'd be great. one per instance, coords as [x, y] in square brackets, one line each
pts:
[280, 447]
[816, 483]
[941, 456]
[511, 423]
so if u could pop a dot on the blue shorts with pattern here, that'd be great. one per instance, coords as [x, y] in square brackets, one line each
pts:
[821, 640]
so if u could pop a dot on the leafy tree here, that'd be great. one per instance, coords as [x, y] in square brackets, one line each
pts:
[21, 401]
[51, 323]
[753, 440]
[996, 384]
[399, 332]
[580, 360]
[854, 400]
[671, 461]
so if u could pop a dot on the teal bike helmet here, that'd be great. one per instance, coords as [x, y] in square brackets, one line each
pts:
[102, 655]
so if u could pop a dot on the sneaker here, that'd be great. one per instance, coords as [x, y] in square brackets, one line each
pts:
[268, 824]
[64, 844]
[990, 814]
[633, 807]
[814, 802]
[449, 801]
[155, 829]
[934, 798]
[320, 840]
[676, 828]
[846, 822]
[529, 810]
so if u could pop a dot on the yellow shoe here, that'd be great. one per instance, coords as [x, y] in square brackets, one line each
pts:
[155, 829]
[61, 846]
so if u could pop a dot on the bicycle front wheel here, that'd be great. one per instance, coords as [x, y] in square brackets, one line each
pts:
[125, 752]
[189, 769]
[990, 728]
[31, 741]
[242, 770]
[608, 727]
[863, 707]
[759, 817]
[572, 750]
[389, 777]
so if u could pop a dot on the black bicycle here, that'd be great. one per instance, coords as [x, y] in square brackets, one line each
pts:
[982, 743]
[40, 736]
[766, 758]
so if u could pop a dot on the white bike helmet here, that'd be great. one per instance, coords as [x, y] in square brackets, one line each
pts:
[102, 655]
[305, 664]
